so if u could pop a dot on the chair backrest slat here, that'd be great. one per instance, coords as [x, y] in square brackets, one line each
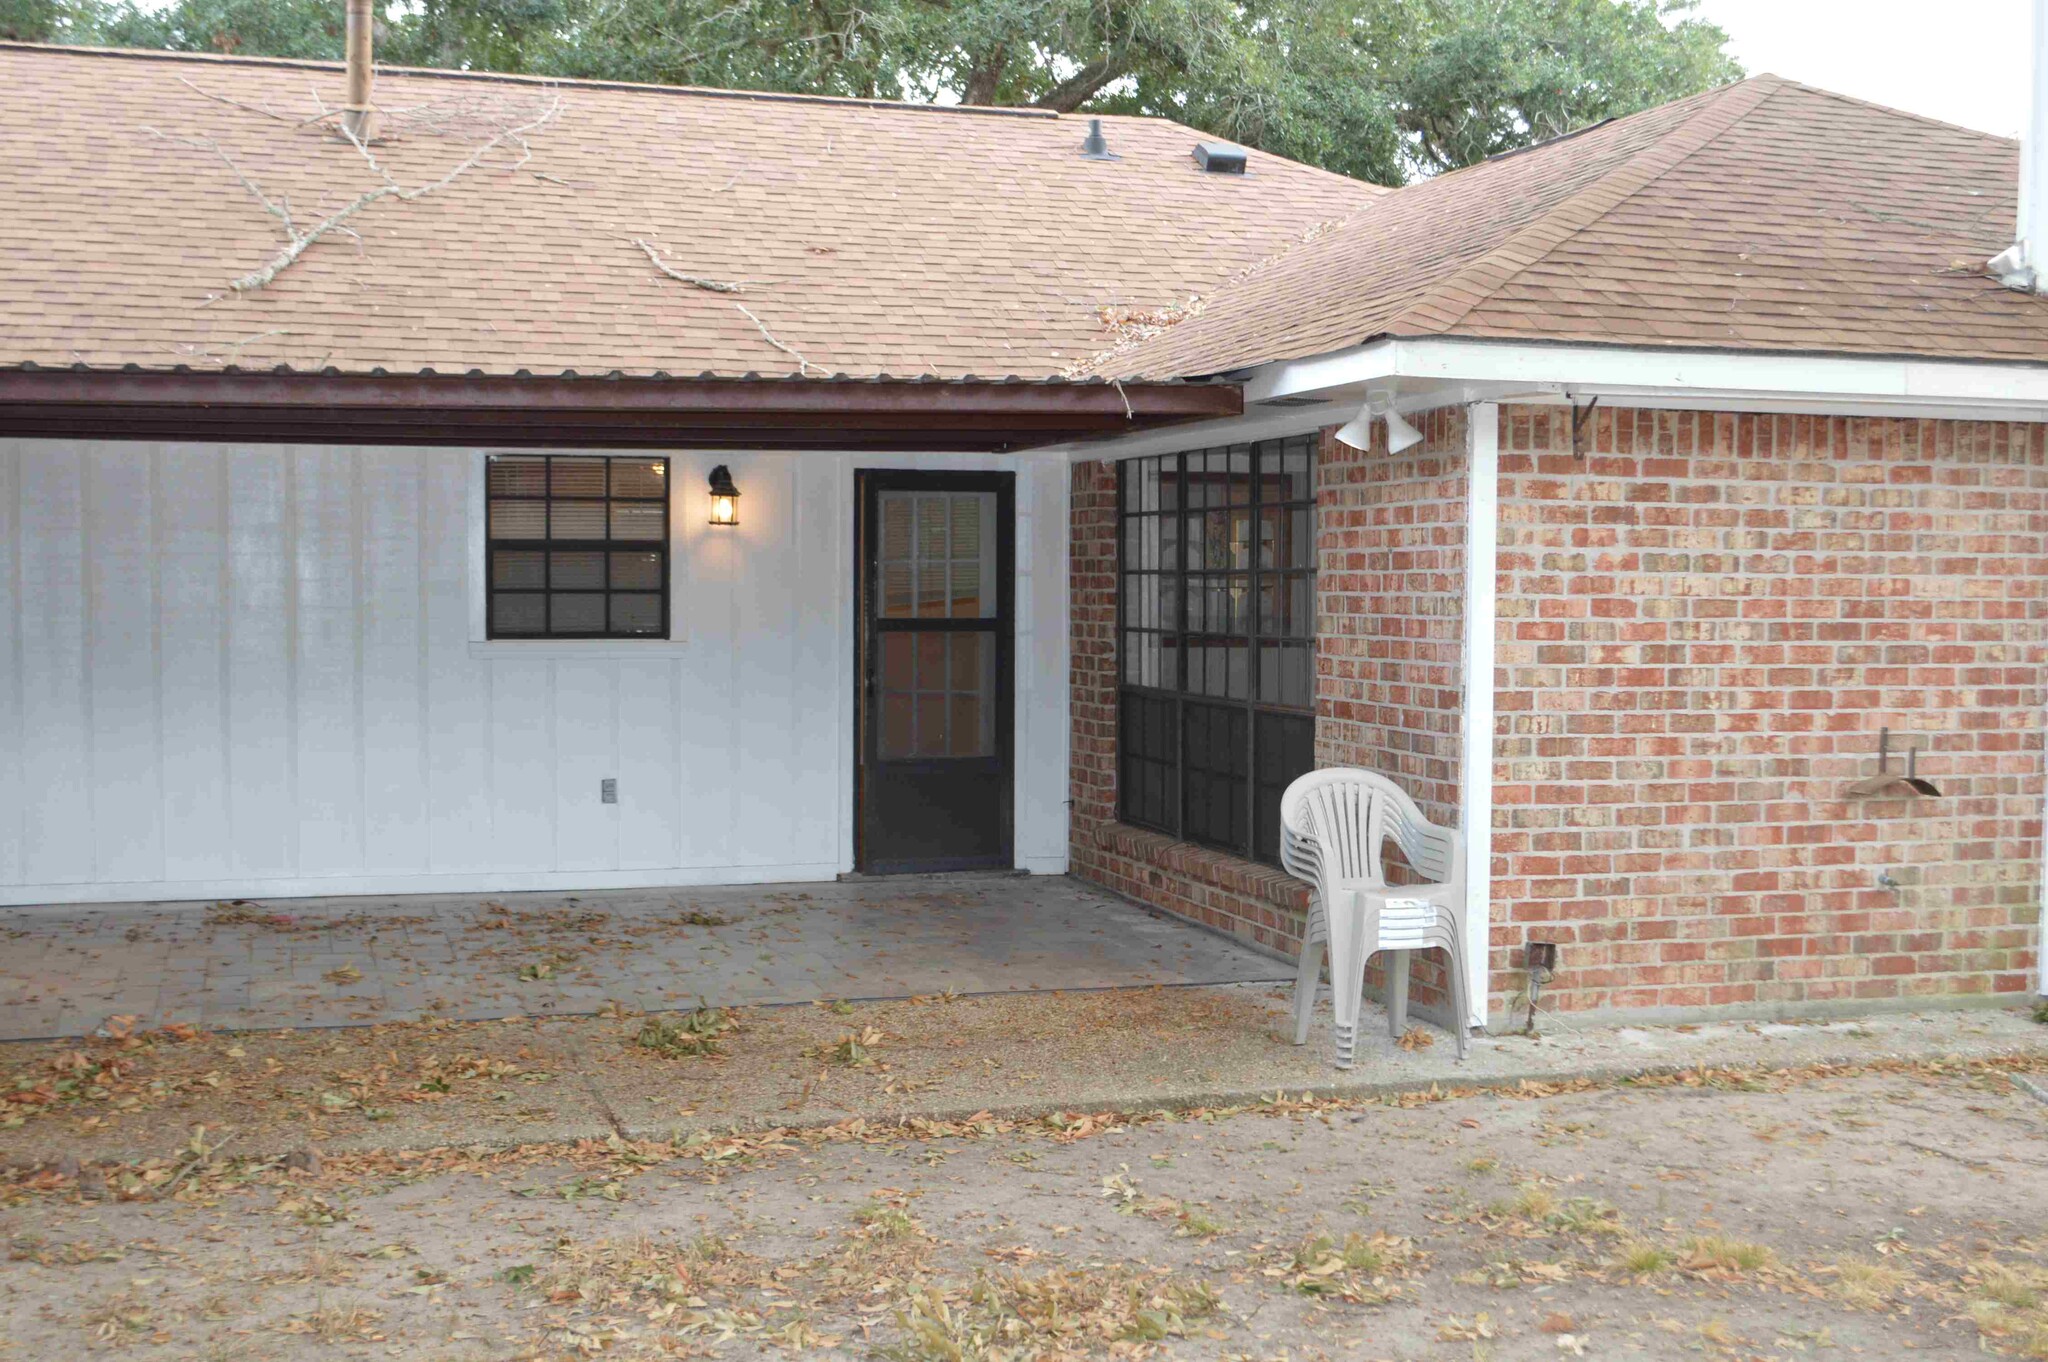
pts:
[1335, 823]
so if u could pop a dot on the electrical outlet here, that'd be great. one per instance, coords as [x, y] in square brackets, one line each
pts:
[608, 790]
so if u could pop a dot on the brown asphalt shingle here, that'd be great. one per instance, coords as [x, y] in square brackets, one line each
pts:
[1766, 215]
[905, 240]
[873, 238]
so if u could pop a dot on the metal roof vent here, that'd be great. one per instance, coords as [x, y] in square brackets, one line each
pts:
[1219, 158]
[1095, 147]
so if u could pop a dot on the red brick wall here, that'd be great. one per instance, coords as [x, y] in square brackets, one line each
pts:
[1703, 624]
[1390, 587]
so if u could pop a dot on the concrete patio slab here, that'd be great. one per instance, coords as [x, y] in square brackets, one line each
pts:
[353, 961]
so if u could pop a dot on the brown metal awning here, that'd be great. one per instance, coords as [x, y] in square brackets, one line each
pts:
[605, 412]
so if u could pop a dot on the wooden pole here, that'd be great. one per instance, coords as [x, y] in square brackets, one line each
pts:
[357, 111]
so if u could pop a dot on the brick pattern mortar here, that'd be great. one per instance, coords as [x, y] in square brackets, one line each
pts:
[1704, 622]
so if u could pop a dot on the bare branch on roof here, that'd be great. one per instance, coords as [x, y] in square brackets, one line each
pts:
[281, 208]
[803, 366]
[263, 109]
[298, 241]
[694, 280]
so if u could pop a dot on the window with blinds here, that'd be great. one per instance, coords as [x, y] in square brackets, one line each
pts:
[1217, 618]
[578, 546]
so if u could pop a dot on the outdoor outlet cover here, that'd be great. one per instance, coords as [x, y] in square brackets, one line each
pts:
[608, 790]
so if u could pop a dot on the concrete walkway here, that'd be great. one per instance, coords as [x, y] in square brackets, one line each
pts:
[348, 961]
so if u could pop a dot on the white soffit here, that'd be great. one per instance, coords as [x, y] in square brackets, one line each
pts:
[1294, 396]
[1435, 372]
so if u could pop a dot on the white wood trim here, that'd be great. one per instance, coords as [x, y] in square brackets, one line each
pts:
[2019, 391]
[1475, 756]
[1268, 423]
[1428, 373]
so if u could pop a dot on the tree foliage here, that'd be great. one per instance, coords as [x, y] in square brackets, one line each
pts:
[1382, 89]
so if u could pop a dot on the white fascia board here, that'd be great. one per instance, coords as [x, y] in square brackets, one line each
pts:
[1433, 371]
[1421, 374]
[1271, 423]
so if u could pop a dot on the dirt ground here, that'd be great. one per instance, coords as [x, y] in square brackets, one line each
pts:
[1899, 1209]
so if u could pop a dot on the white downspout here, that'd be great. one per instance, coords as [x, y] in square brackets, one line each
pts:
[2024, 265]
[1475, 745]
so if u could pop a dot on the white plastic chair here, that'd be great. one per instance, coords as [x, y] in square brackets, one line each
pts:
[1334, 826]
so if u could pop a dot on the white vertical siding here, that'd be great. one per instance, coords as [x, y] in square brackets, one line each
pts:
[12, 786]
[192, 653]
[259, 670]
[55, 774]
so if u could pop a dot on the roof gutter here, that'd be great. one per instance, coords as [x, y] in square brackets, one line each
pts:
[523, 411]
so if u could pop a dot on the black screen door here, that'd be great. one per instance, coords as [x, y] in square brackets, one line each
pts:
[935, 555]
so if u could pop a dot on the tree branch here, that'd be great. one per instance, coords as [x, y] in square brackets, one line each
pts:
[695, 281]
[803, 366]
[985, 76]
[390, 189]
[281, 211]
[1077, 89]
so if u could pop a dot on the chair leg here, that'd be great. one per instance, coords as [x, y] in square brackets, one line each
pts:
[1461, 1004]
[1313, 940]
[1347, 994]
[1461, 992]
[1397, 993]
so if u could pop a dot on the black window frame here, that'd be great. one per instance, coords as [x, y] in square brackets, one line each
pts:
[1265, 742]
[548, 547]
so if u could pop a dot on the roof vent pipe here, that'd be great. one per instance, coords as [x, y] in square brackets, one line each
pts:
[355, 114]
[2024, 265]
[1095, 147]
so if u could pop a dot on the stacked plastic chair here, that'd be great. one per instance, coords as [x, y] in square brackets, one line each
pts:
[1334, 827]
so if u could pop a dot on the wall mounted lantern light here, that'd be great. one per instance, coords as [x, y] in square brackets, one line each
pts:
[725, 498]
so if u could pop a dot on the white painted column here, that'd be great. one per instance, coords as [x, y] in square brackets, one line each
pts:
[2033, 204]
[1475, 748]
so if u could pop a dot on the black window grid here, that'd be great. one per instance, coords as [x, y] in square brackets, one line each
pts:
[548, 548]
[1204, 766]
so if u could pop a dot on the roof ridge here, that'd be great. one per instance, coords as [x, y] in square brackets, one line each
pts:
[530, 78]
[1448, 303]
[1786, 82]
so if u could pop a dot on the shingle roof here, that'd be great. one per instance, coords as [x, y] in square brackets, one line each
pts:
[873, 238]
[1766, 215]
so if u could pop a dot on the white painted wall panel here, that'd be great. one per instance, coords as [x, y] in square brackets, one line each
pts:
[586, 743]
[327, 668]
[262, 791]
[650, 764]
[192, 605]
[393, 672]
[458, 722]
[11, 787]
[122, 664]
[261, 670]
[56, 742]
[523, 803]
